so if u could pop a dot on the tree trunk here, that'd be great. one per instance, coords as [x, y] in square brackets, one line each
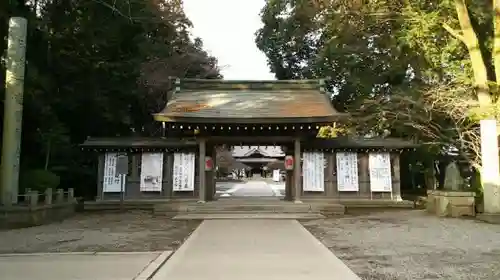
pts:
[496, 40]
[471, 41]
[490, 171]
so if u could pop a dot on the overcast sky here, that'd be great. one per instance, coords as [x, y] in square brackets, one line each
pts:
[227, 28]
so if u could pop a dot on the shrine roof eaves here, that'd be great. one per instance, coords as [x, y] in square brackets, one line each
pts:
[136, 142]
[219, 101]
[360, 143]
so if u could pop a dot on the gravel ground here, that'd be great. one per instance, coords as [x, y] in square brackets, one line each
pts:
[100, 232]
[412, 245]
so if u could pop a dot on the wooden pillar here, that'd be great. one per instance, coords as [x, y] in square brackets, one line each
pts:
[134, 174]
[214, 172]
[168, 174]
[201, 161]
[210, 175]
[100, 176]
[364, 175]
[396, 180]
[297, 179]
[289, 175]
[289, 185]
[331, 176]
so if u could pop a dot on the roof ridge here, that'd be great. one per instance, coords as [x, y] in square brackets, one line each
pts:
[290, 81]
[263, 90]
[269, 85]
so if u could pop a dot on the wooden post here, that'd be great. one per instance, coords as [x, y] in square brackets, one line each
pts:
[135, 167]
[213, 174]
[396, 181]
[289, 186]
[48, 196]
[364, 176]
[33, 198]
[71, 195]
[331, 176]
[168, 173]
[202, 149]
[100, 176]
[59, 195]
[27, 192]
[297, 171]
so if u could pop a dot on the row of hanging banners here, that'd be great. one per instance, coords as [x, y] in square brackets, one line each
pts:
[313, 168]
[152, 172]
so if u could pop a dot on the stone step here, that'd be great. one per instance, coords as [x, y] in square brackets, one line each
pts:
[327, 209]
[245, 212]
[248, 215]
[231, 208]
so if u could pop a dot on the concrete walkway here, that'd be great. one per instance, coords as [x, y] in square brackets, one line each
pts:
[252, 188]
[81, 266]
[253, 249]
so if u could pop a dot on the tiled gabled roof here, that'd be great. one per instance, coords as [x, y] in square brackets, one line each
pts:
[291, 101]
[267, 151]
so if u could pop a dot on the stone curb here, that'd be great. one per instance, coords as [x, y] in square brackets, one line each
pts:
[78, 254]
[249, 215]
[150, 270]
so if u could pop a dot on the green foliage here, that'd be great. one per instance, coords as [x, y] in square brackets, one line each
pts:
[481, 113]
[97, 68]
[39, 180]
[333, 131]
[391, 64]
[354, 46]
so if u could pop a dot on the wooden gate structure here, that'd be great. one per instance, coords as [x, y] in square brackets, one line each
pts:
[203, 114]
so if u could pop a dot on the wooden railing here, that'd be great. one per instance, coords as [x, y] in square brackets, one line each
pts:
[49, 197]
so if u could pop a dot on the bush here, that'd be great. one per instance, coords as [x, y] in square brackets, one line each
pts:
[39, 180]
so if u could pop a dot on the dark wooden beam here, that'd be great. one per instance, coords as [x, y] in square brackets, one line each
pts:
[222, 120]
[250, 140]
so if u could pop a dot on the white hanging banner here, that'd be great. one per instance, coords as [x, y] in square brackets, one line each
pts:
[347, 172]
[112, 182]
[151, 172]
[379, 165]
[183, 172]
[313, 172]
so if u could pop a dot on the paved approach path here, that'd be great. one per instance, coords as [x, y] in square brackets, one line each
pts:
[253, 249]
[254, 188]
[81, 266]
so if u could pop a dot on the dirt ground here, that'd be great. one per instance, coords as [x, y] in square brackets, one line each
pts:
[382, 246]
[412, 245]
[100, 232]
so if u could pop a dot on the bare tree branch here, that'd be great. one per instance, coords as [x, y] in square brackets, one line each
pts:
[453, 32]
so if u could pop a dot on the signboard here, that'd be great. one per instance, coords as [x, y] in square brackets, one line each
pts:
[151, 172]
[347, 172]
[379, 165]
[112, 181]
[313, 171]
[122, 165]
[183, 172]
